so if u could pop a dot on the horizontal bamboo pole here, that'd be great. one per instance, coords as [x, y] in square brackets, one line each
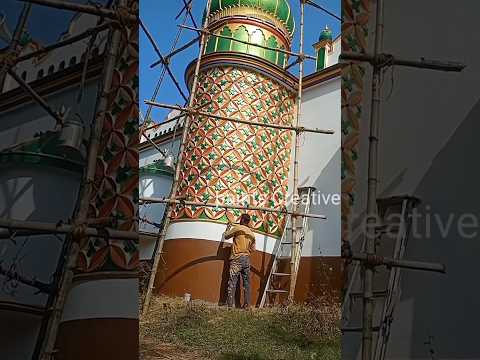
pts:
[274, 126]
[88, 9]
[377, 260]
[305, 56]
[225, 206]
[382, 60]
[50, 228]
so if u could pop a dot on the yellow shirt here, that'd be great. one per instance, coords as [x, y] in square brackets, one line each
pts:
[243, 241]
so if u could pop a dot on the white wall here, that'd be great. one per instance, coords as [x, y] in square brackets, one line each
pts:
[429, 148]
[320, 162]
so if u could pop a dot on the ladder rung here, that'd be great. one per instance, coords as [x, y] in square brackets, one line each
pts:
[376, 294]
[281, 274]
[277, 291]
[358, 329]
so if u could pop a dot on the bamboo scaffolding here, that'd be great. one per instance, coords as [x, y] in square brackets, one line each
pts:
[47, 347]
[299, 55]
[40, 101]
[368, 271]
[69, 41]
[368, 258]
[42, 228]
[296, 249]
[382, 60]
[186, 128]
[165, 62]
[88, 9]
[255, 123]
[175, 52]
[228, 206]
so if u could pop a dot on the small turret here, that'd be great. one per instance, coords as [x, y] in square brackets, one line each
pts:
[323, 45]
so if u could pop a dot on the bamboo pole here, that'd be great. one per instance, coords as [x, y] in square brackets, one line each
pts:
[42, 228]
[295, 257]
[377, 260]
[186, 128]
[227, 206]
[194, 111]
[300, 55]
[65, 42]
[382, 60]
[53, 322]
[164, 61]
[87, 9]
[315, 5]
[40, 101]
[368, 270]
[12, 47]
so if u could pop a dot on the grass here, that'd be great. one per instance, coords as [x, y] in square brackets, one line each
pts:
[203, 331]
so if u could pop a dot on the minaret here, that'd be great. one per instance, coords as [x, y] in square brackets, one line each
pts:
[230, 162]
[322, 47]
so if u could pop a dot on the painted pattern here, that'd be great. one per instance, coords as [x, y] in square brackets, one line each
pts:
[116, 177]
[354, 38]
[238, 163]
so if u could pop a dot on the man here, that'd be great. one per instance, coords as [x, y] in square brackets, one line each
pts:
[243, 245]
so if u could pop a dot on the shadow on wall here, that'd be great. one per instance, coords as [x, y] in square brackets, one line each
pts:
[442, 303]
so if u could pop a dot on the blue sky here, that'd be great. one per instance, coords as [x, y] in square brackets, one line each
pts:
[159, 17]
[45, 24]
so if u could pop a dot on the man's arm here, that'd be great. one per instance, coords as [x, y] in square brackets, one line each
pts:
[230, 232]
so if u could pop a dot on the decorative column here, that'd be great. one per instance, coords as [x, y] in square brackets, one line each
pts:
[100, 318]
[233, 163]
[323, 47]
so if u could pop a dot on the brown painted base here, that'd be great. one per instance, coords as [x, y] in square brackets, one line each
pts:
[98, 339]
[200, 268]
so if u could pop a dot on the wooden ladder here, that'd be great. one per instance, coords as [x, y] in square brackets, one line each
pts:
[285, 250]
[391, 240]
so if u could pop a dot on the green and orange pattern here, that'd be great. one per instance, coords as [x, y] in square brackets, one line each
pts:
[237, 163]
[116, 178]
[354, 39]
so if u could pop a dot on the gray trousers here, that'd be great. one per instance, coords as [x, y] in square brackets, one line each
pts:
[239, 266]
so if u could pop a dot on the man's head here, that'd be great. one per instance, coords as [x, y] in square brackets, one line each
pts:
[244, 219]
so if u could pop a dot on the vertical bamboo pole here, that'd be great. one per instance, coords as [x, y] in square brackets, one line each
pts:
[48, 345]
[169, 206]
[12, 47]
[295, 258]
[368, 271]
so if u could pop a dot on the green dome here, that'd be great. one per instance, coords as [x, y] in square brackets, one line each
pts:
[326, 34]
[278, 8]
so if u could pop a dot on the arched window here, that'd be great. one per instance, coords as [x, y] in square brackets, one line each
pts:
[225, 44]
[61, 66]
[73, 61]
[257, 38]
[271, 55]
[40, 74]
[51, 69]
[211, 44]
[241, 34]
